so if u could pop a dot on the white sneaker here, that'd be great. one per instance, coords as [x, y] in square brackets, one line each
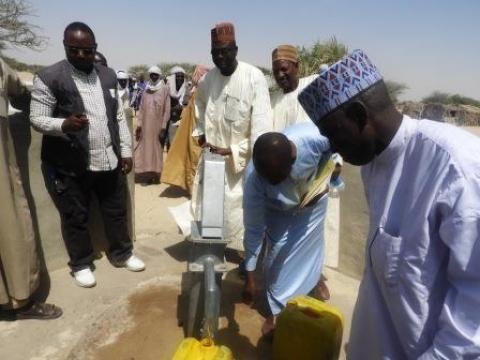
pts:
[84, 278]
[133, 263]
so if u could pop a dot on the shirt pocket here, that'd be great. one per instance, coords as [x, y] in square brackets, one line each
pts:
[385, 257]
[236, 110]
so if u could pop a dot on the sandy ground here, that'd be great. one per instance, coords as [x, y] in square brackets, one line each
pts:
[135, 315]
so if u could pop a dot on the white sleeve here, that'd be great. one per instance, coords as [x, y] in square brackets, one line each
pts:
[200, 107]
[41, 110]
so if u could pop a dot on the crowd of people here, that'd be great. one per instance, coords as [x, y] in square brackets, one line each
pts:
[283, 151]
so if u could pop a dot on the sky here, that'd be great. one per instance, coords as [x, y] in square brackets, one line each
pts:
[426, 44]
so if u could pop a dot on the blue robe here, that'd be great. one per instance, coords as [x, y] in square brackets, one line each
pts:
[295, 236]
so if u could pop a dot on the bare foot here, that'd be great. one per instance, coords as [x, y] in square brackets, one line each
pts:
[268, 326]
[321, 292]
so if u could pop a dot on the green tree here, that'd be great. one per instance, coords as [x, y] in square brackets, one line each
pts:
[265, 71]
[165, 67]
[139, 70]
[395, 89]
[327, 52]
[450, 99]
[142, 69]
[15, 28]
[20, 66]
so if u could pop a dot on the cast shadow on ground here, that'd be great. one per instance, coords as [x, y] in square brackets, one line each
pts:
[179, 251]
[174, 192]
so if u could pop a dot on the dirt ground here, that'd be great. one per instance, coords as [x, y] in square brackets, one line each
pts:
[155, 334]
[146, 324]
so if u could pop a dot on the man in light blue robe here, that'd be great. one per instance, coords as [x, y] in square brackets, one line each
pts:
[420, 293]
[285, 202]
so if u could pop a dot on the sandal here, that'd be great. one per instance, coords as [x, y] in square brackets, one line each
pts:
[38, 311]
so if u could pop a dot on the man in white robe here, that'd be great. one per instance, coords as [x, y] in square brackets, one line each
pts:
[124, 97]
[285, 106]
[420, 293]
[178, 91]
[233, 109]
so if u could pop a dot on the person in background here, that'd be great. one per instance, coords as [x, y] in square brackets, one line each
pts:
[139, 86]
[178, 89]
[182, 160]
[19, 258]
[100, 59]
[285, 202]
[420, 292]
[124, 97]
[132, 87]
[86, 149]
[151, 132]
[285, 106]
[233, 109]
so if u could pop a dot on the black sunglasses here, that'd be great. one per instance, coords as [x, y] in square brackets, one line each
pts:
[223, 51]
[76, 50]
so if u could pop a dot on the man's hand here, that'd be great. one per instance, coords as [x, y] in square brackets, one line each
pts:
[250, 290]
[336, 173]
[74, 123]
[201, 140]
[220, 151]
[127, 164]
[162, 136]
[138, 133]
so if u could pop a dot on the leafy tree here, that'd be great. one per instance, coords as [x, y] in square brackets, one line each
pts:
[395, 89]
[265, 71]
[327, 52]
[142, 69]
[139, 70]
[450, 99]
[165, 67]
[15, 29]
[20, 66]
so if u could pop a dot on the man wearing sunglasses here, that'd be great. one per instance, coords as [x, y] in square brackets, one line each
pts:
[86, 148]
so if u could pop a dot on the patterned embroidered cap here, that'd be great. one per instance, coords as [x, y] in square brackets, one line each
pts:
[338, 84]
[223, 33]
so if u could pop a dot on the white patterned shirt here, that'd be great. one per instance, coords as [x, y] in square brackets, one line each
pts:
[101, 154]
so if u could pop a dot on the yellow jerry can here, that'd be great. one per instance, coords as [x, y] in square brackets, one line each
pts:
[308, 329]
[192, 349]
